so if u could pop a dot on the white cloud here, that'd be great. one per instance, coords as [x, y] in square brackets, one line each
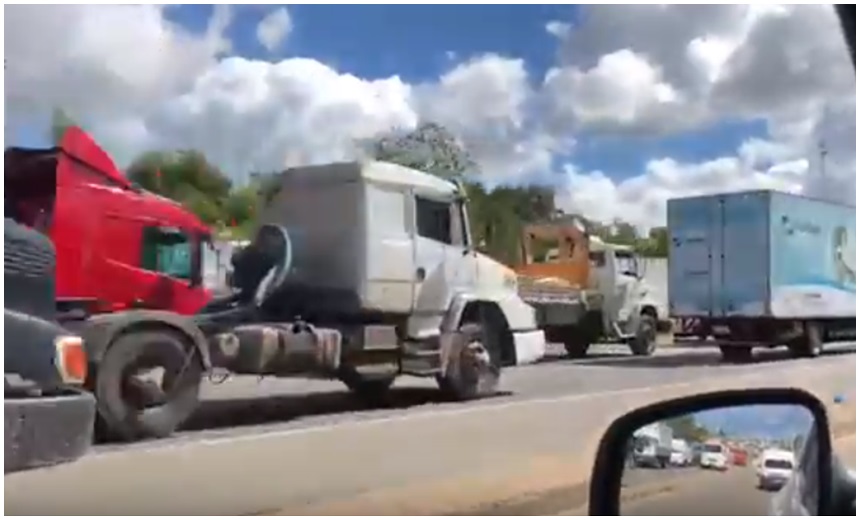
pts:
[558, 29]
[274, 28]
[139, 81]
[623, 90]
[641, 199]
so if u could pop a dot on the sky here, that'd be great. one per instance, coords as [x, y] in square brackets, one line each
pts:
[765, 421]
[618, 108]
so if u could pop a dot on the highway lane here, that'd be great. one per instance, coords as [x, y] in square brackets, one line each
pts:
[704, 493]
[415, 457]
[249, 405]
[711, 493]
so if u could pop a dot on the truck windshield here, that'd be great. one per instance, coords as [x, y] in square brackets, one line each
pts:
[627, 263]
[778, 464]
[713, 448]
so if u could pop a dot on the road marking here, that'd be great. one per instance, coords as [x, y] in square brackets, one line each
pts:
[182, 442]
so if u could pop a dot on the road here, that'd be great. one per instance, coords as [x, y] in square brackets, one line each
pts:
[709, 493]
[704, 493]
[308, 448]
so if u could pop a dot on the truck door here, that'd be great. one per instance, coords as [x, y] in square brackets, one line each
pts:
[434, 243]
[745, 256]
[694, 256]
[174, 259]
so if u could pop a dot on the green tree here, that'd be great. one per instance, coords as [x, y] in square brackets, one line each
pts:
[187, 177]
[430, 148]
[60, 122]
[686, 427]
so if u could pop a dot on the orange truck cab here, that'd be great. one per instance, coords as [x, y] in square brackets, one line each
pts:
[118, 246]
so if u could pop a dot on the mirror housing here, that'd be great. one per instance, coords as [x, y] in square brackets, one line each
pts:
[610, 461]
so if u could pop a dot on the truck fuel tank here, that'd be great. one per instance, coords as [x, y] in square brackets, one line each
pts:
[278, 349]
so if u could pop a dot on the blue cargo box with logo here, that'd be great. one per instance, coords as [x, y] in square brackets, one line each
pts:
[761, 254]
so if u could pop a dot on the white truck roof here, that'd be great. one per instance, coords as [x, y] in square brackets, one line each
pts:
[777, 454]
[377, 172]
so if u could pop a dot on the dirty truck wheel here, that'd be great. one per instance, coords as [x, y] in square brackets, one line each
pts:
[131, 405]
[645, 341]
[474, 366]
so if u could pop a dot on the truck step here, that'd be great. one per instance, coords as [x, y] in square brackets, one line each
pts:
[378, 369]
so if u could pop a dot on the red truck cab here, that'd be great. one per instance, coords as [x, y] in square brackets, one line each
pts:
[118, 246]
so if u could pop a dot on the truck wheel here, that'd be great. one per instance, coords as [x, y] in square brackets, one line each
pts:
[576, 346]
[736, 354]
[810, 344]
[132, 408]
[474, 366]
[645, 341]
[369, 390]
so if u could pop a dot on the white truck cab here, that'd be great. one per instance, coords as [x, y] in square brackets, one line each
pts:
[618, 273]
[714, 455]
[775, 468]
[387, 245]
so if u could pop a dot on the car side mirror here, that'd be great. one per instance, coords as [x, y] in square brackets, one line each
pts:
[737, 452]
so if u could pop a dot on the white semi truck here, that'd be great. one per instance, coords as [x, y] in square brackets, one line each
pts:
[652, 445]
[360, 271]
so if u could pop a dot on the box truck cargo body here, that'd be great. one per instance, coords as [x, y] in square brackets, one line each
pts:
[764, 268]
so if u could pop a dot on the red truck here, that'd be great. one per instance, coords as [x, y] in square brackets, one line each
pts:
[118, 246]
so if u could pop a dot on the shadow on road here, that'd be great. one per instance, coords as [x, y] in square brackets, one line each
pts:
[700, 356]
[231, 413]
[556, 358]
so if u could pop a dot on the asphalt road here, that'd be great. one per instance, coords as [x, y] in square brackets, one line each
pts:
[703, 493]
[696, 492]
[309, 447]
[249, 405]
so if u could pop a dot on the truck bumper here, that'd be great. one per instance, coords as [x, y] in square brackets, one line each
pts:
[530, 346]
[45, 431]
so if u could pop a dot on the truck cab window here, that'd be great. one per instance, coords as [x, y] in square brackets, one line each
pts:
[458, 224]
[433, 220]
[168, 252]
[627, 263]
[597, 259]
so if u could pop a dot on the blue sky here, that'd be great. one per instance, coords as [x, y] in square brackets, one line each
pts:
[770, 421]
[419, 43]
[375, 41]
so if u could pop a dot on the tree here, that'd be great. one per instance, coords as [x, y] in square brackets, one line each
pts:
[686, 427]
[186, 177]
[60, 122]
[430, 148]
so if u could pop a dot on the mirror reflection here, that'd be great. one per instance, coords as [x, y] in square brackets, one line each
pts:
[744, 460]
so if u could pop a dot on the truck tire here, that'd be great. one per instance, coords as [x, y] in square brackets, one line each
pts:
[474, 366]
[644, 343]
[576, 345]
[736, 354]
[368, 390]
[810, 343]
[129, 409]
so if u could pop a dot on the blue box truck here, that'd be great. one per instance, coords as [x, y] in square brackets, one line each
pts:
[763, 268]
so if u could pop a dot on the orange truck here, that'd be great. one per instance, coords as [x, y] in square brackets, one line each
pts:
[585, 290]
